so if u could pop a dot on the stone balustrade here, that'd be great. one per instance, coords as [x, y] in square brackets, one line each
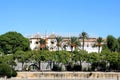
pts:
[68, 75]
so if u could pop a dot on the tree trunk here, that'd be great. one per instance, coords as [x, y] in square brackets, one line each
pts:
[81, 64]
[71, 48]
[98, 49]
[22, 65]
[83, 44]
[58, 48]
[39, 65]
[50, 64]
[5, 78]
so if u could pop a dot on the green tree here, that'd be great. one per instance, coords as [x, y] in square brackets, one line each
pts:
[118, 61]
[38, 57]
[113, 60]
[3, 59]
[111, 43]
[104, 59]
[83, 35]
[48, 57]
[59, 41]
[61, 58]
[99, 43]
[8, 59]
[10, 42]
[118, 44]
[6, 70]
[93, 58]
[22, 57]
[64, 57]
[79, 56]
[104, 46]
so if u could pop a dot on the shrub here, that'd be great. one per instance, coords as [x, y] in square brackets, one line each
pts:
[74, 68]
[6, 70]
[14, 73]
[77, 67]
[56, 68]
[69, 68]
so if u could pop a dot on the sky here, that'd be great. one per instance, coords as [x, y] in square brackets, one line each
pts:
[96, 17]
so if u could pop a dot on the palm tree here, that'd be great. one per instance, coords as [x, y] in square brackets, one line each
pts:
[74, 42]
[59, 41]
[42, 44]
[99, 43]
[83, 35]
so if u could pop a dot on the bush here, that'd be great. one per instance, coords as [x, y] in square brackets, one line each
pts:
[77, 68]
[74, 68]
[69, 68]
[6, 70]
[56, 68]
[14, 73]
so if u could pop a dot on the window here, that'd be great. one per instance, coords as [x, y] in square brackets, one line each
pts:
[36, 42]
[52, 41]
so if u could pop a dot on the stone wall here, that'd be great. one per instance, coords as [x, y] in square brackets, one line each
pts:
[68, 75]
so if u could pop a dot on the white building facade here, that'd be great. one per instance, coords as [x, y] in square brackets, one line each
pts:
[51, 43]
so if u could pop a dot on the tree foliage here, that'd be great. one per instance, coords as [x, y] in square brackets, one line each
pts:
[118, 44]
[10, 42]
[13, 42]
[21, 56]
[74, 43]
[42, 44]
[99, 43]
[59, 41]
[6, 70]
[111, 43]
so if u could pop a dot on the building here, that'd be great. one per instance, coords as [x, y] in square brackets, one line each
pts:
[51, 43]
